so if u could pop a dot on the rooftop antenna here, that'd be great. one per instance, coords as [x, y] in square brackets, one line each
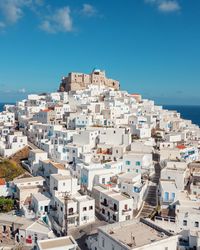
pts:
[132, 240]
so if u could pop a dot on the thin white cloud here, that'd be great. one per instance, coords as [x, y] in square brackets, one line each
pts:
[166, 6]
[13, 10]
[39, 2]
[23, 90]
[2, 25]
[169, 6]
[88, 10]
[150, 1]
[59, 21]
[52, 20]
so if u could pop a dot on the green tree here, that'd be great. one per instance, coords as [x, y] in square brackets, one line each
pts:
[6, 204]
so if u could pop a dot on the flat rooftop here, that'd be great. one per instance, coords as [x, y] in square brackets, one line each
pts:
[38, 151]
[62, 243]
[129, 176]
[115, 195]
[10, 219]
[187, 205]
[55, 164]
[133, 234]
[176, 165]
[83, 198]
[28, 179]
[134, 153]
[41, 197]
[60, 177]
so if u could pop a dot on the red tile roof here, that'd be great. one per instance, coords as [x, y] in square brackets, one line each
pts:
[2, 182]
[45, 110]
[181, 146]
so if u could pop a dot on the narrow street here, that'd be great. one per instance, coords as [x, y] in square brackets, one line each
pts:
[80, 234]
[151, 197]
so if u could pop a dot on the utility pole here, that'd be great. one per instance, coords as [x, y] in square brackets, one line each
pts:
[66, 199]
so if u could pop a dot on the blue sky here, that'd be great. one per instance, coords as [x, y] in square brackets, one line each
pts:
[151, 46]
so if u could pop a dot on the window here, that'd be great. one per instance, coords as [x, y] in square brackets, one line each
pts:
[103, 242]
[70, 211]
[128, 163]
[166, 196]
[90, 207]
[137, 163]
[113, 248]
[173, 196]
[196, 224]
[184, 223]
[114, 217]
[84, 208]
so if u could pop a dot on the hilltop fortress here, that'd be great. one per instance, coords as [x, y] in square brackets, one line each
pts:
[80, 81]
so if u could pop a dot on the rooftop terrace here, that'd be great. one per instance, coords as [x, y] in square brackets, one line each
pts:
[134, 234]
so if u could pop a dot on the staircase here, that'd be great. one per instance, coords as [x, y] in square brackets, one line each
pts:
[151, 200]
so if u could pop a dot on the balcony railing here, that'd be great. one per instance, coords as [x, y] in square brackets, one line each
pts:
[125, 211]
[165, 218]
[54, 208]
[167, 202]
[104, 204]
[113, 209]
[72, 215]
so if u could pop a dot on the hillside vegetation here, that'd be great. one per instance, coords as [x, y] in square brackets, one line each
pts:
[6, 205]
[10, 170]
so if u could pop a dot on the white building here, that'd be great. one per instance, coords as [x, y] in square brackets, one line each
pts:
[131, 184]
[80, 211]
[32, 164]
[60, 184]
[112, 205]
[137, 162]
[40, 204]
[133, 235]
[25, 187]
[12, 143]
[61, 243]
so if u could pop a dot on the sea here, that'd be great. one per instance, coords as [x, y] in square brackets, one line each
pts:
[2, 105]
[188, 112]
